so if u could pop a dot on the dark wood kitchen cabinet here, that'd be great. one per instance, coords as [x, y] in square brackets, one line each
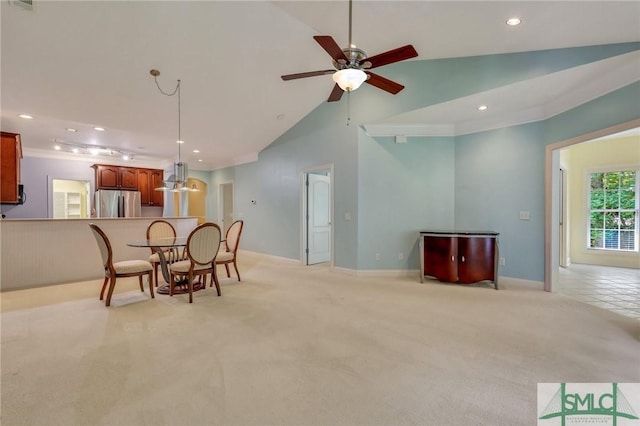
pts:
[116, 177]
[148, 181]
[459, 256]
[10, 156]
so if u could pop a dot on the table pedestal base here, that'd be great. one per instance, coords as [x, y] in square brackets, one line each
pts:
[180, 288]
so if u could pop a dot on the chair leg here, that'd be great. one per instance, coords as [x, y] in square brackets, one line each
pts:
[235, 265]
[104, 286]
[214, 278]
[190, 288]
[112, 285]
[151, 285]
[226, 266]
[172, 282]
[155, 271]
[140, 282]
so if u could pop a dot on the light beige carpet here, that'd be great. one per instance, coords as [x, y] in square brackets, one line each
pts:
[294, 345]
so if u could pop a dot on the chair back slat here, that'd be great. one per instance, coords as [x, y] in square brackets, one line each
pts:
[203, 243]
[103, 244]
[233, 236]
[160, 229]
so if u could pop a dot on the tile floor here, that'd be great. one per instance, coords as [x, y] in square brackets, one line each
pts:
[614, 289]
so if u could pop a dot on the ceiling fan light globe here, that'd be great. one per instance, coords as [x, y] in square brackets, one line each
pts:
[349, 79]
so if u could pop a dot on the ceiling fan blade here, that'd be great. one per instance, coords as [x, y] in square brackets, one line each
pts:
[306, 74]
[332, 48]
[395, 55]
[336, 94]
[383, 83]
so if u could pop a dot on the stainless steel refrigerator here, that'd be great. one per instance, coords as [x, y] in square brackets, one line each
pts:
[113, 203]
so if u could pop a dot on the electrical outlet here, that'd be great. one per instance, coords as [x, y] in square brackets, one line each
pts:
[400, 256]
[377, 256]
[347, 215]
[524, 215]
[503, 262]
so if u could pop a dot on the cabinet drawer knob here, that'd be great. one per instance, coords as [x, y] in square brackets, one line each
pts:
[453, 258]
[462, 258]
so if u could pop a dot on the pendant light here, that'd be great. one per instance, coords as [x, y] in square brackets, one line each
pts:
[176, 182]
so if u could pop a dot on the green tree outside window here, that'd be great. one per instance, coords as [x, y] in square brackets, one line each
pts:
[613, 211]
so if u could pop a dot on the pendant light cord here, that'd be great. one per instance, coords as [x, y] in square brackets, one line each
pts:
[350, 9]
[176, 90]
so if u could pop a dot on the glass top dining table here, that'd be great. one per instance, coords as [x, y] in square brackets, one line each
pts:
[169, 251]
[163, 242]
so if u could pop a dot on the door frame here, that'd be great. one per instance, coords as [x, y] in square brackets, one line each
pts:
[90, 194]
[303, 211]
[221, 204]
[552, 199]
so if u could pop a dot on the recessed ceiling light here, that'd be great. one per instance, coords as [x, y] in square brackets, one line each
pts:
[100, 129]
[483, 107]
[196, 151]
[26, 116]
[179, 141]
[200, 160]
[71, 129]
[75, 150]
[57, 147]
[514, 21]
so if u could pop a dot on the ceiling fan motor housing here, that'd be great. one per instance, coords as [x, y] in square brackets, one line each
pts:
[356, 57]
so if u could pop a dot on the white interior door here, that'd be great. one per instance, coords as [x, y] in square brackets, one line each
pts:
[319, 219]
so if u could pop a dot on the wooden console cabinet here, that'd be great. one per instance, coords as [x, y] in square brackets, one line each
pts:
[10, 155]
[459, 256]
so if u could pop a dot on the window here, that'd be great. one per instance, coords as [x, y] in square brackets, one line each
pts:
[613, 210]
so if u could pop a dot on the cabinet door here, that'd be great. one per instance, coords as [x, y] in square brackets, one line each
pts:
[156, 197]
[440, 259]
[476, 259]
[10, 166]
[143, 186]
[107, 177]
[129, 178]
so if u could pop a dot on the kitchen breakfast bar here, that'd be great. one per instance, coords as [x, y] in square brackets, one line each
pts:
[41, 252]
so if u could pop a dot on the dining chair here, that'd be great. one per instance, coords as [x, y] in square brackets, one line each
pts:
[228, 252]
[202, 248]
[159, 229]
[122, 269]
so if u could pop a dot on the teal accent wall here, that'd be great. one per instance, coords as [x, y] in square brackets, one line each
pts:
[392, 191]
[402, 189]
[499, 174]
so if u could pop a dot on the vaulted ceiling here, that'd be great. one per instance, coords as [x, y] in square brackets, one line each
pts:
[82, 64]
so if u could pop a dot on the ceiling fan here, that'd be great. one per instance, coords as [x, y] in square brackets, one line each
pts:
[351, 66]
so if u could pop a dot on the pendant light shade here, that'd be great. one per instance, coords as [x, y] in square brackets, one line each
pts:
[349, 79]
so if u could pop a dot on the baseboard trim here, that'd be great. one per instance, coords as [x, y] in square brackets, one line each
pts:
[520, 283]
[270, 256]
[503, 282]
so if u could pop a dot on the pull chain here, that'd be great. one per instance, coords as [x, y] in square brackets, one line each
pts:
[348, 107]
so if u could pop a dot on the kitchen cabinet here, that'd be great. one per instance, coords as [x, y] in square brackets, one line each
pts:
[10, 156]
[148, 181]
[132, 179]
[116, 177]
[459, 256]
